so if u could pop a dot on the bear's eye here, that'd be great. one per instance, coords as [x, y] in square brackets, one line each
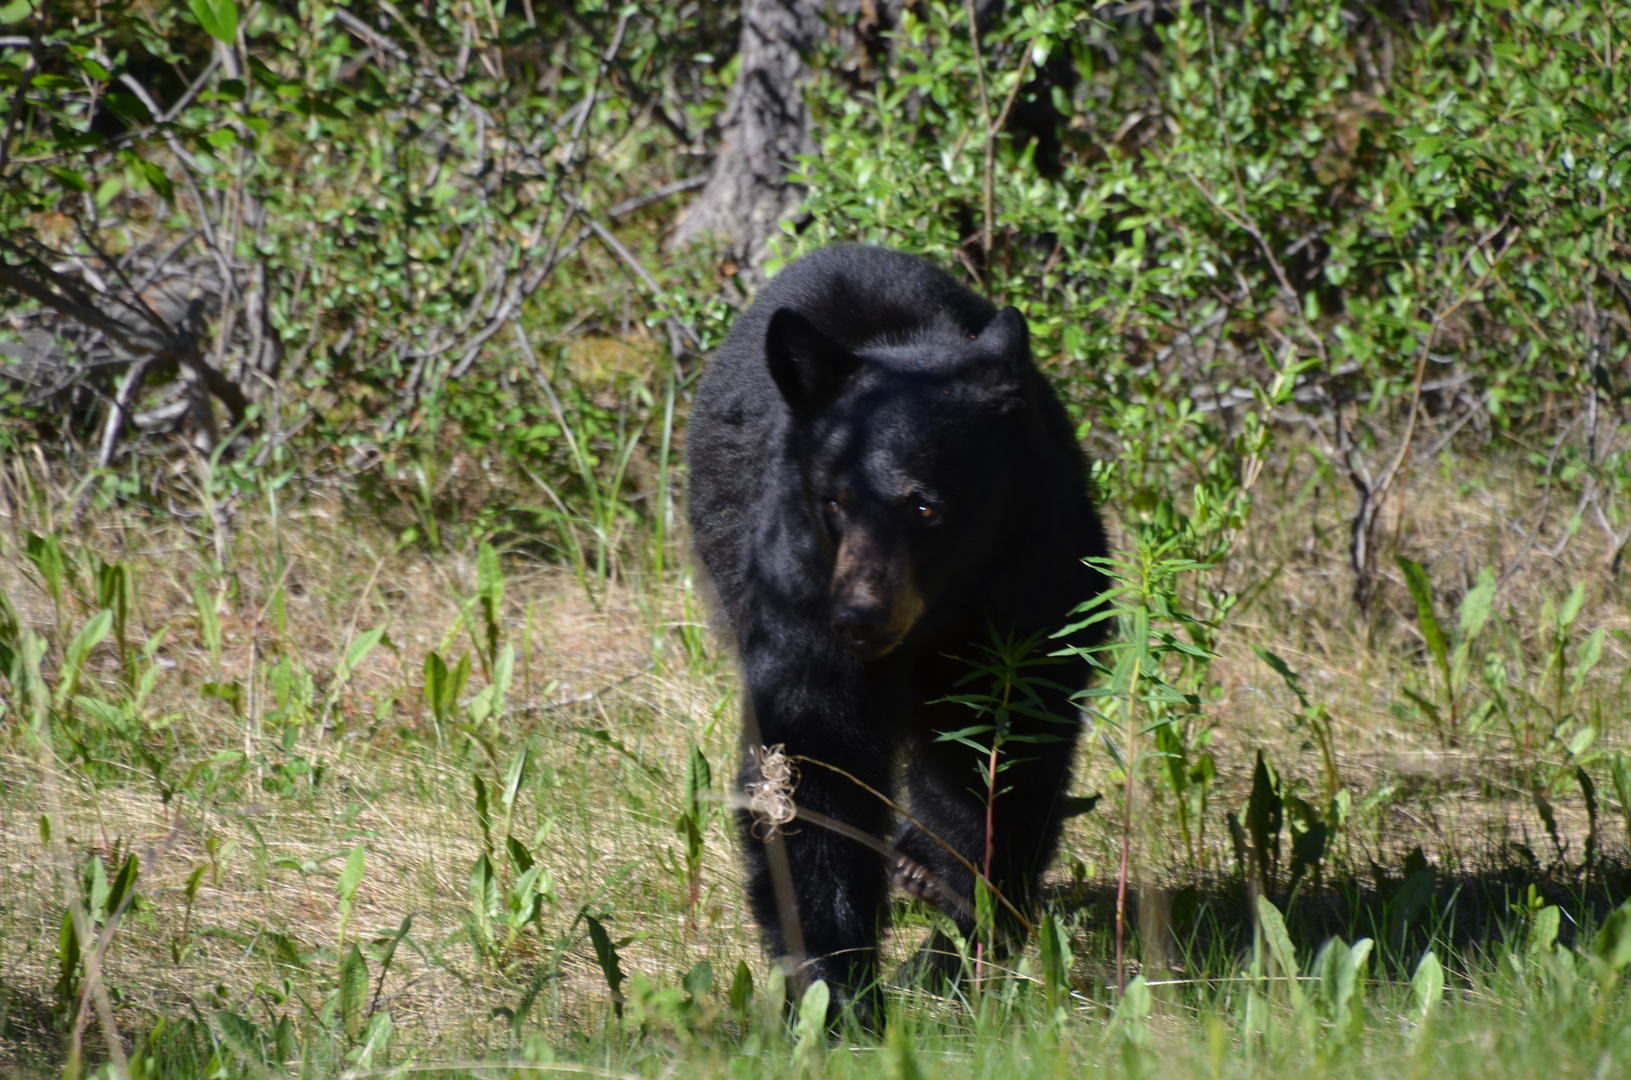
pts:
[831, 506]
[921, 507]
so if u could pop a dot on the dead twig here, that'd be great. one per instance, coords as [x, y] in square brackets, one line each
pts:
[1372, 499]
[617, 248]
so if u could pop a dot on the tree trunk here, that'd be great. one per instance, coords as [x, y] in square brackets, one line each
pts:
[766, 124]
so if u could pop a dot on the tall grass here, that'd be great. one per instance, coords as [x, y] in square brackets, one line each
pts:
[274, 800]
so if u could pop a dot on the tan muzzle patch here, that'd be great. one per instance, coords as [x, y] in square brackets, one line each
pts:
[875, 600]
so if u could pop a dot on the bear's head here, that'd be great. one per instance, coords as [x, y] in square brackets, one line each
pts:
[910, 453]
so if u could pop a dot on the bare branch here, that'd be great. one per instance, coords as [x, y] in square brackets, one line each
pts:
[656, 195]
[131, 338]
[617, 248]
[181, 349]
[119, 411]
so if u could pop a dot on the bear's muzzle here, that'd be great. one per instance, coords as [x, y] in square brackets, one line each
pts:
[875, 600]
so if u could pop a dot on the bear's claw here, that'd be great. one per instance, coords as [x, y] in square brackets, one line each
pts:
[913, 879]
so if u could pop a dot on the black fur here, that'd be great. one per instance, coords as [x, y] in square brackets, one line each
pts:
[878, 474]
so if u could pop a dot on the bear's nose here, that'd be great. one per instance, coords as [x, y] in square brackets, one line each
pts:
[859, 626]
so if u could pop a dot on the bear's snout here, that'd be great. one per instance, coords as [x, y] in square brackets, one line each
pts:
[875, 601]
[862, 628]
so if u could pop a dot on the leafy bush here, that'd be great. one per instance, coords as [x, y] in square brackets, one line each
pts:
[1397, 211]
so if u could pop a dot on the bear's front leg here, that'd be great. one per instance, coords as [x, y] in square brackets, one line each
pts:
[833, 889]
[949, 782]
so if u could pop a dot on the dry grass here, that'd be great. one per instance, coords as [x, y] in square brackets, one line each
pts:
[602, 809]
[387, 782]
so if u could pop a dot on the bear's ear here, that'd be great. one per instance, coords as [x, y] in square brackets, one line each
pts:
[1005, 337]
[809, 367]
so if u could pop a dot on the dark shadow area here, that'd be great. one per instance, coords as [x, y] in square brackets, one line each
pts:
[31, 1043]
[1207, 927]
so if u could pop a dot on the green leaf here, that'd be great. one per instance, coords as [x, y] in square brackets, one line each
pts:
[1620, 767]
[127, 105]
[355, 653]
[436, 685]
[1056, 961]
[812, 1023]
[1308, 850]
[11, 640]
[1134, 1004]
[242, 1035]
[1334, 967]
[518, 854]
[741, 993]
[1279, 942]
[355, 866]
[1421, 591]
[1341, 971]
[484, 899]
[1282, 669]
[484, 812]
[15, 12]
[46, 553]
[209, 622]
[68, 949]
[699, 980]
[124, 883]
[1265, 813]
[350, 878]
[353, 990]
[1590, 653]
[1414, 894]
[1612, 945]
[1427, 985]
[1477, 605]
[73, 659]
[219, 18]
[232, 692]
[512, 780]
[160, 181]
[72, 179]
[374, 1037]
[490, 591]
[610, 963]
[1361, 953]
[699, 782]
[964, 735]
[1571, 606]
[456, 681]
[1426, 147]
[1543, 931]
[92, 68]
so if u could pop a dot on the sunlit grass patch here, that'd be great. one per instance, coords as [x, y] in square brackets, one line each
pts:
[493, 778]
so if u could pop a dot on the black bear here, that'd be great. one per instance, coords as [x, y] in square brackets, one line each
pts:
[879, 478]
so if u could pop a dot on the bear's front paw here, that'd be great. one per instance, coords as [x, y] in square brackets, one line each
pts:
[913, 879]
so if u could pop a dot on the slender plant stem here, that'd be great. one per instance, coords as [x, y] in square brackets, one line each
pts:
[1126, 832]
[990, 816]
[990, 843]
